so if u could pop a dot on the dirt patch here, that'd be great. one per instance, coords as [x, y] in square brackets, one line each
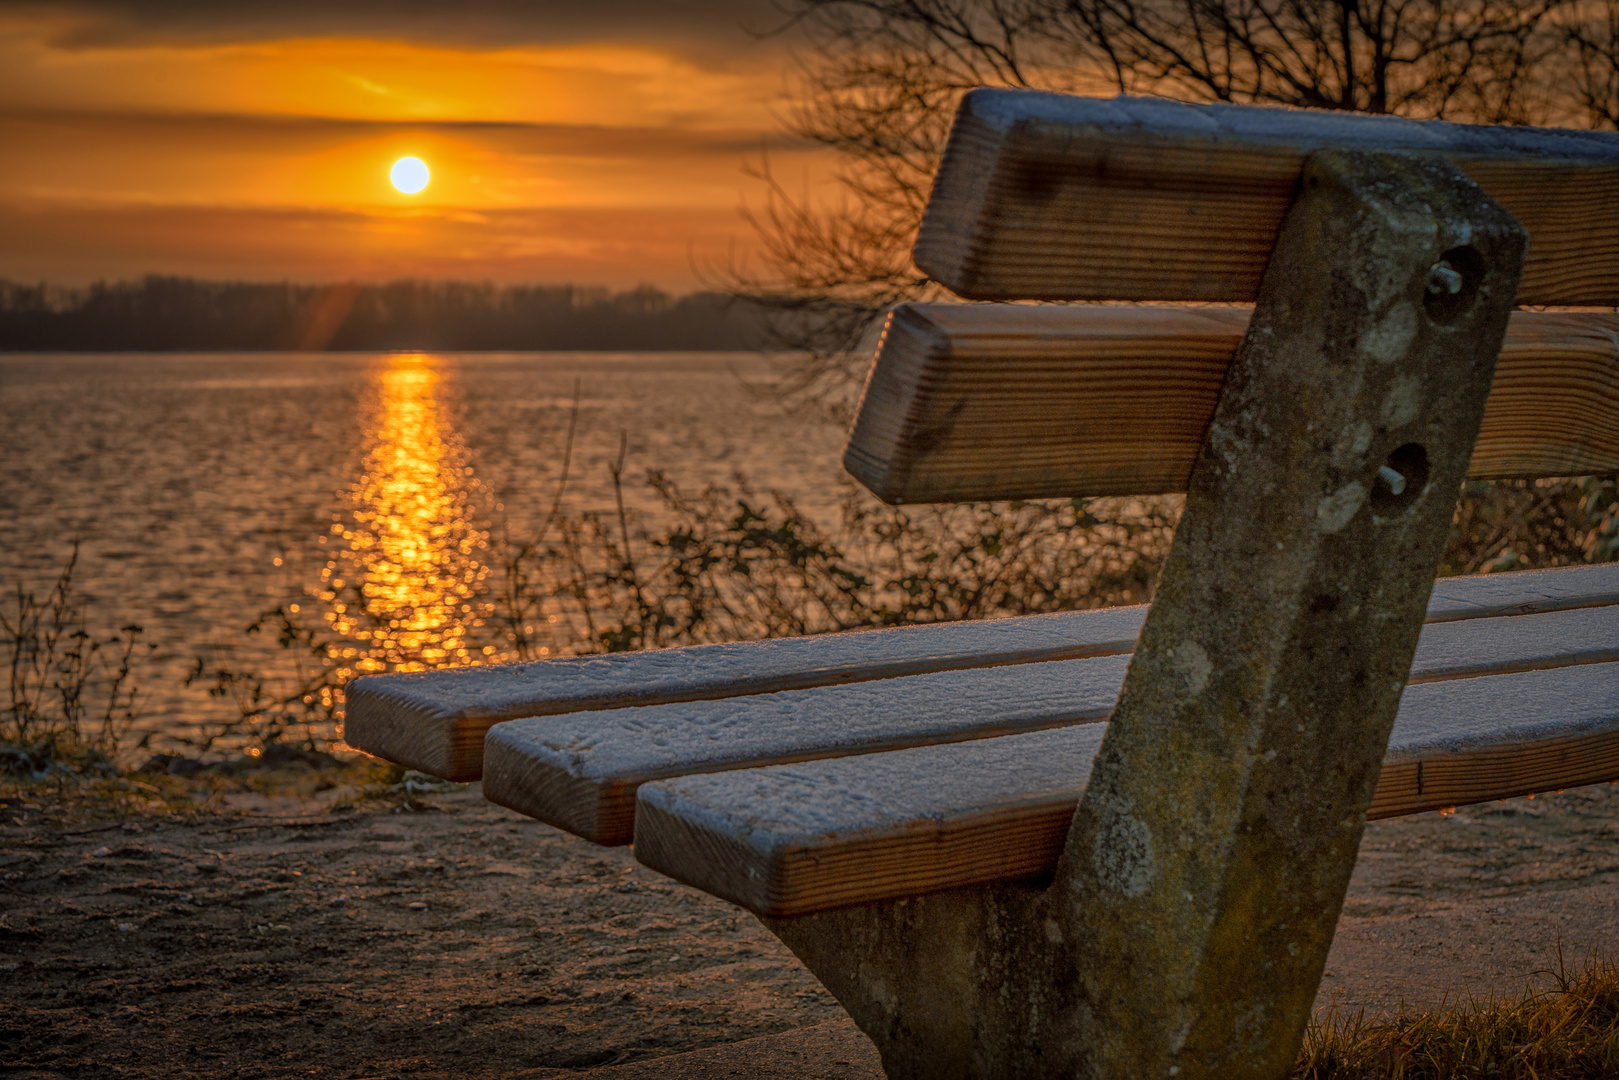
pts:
[1477, 903]
[362, 939]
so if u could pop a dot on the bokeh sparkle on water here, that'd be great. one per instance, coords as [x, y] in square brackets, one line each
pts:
[412, 546]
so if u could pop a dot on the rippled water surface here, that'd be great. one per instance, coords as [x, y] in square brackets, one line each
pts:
[207, 488]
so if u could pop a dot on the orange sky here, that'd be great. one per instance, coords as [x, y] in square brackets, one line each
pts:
[567, 144]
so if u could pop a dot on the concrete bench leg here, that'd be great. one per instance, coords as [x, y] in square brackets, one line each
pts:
[1189, 921]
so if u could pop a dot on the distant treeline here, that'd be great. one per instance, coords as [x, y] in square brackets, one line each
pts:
[172, 313]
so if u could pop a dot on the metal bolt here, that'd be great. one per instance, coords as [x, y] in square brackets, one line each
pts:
[1443, 279]
[1394, 480]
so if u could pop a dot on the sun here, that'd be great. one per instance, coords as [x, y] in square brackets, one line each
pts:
[409, 175]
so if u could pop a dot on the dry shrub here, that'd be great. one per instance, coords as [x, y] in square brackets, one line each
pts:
[1533, 524]
[737, 565]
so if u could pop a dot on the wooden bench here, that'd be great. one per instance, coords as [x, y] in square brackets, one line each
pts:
[1115, 843]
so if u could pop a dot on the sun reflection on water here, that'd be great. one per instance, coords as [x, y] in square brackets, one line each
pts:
[404, 590]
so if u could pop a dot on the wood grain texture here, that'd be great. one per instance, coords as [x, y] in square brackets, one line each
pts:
[435, 721]
[1049, 197]
[793, 839]
[580, 772]
[969, 402]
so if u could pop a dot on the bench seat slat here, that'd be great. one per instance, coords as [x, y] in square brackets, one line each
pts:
[1523, 592]
[1010, 401]
[792, 839]
[435, 721]
[1049, 197]
[580, 771]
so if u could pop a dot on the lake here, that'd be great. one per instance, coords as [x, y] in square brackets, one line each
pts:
[207, 488]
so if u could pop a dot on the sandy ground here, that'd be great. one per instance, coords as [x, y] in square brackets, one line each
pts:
[265, 938]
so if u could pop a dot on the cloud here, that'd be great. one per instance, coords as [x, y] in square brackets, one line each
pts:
[384, 77]
[615, 247]
[585, 140]
[706, 27]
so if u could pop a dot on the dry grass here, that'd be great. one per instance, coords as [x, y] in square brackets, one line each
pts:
[1569, 1031]
[244, 784]
[73, 692]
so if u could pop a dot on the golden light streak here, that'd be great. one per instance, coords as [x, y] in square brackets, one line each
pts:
[406, 586]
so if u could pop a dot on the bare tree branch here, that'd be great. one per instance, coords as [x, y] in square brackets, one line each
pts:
[1592, 33]
[880, 79]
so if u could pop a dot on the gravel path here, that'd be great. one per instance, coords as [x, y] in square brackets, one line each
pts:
[463, 940]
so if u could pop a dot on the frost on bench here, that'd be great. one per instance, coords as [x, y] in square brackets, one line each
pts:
[435, 720]
[580, 771]
[791, 839]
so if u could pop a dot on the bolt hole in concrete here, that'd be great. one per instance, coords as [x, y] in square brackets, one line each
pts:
[1452, 284]
[1400, 479]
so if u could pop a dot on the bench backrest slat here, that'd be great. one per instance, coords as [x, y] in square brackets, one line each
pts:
[1048, 197]
[1016, 401]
